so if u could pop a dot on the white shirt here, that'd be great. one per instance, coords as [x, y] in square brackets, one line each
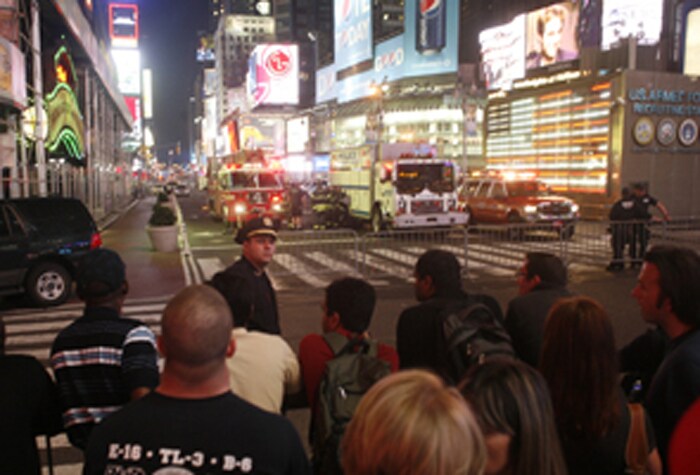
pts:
[263, 368]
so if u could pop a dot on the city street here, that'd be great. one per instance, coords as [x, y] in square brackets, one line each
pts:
[305, 263]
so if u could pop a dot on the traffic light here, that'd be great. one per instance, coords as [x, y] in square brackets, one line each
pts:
[178, 149]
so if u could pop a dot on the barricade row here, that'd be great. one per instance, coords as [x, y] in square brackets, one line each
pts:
[393, 253]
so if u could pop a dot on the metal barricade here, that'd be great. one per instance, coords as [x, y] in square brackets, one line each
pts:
[306, 254]
[395, 252]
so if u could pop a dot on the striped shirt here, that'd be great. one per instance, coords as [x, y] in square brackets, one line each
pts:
[98, 360]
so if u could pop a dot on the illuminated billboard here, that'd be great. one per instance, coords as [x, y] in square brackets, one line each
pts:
[631, 18]
[560, 134]
[273, 78]
[551, 35]
[353, 32]
[205, 50]
[428, 46]
[691, 40]
[297, 134]
[503, 53]
[265, 133]
[133, 103]
[128, 63]
[124, 25]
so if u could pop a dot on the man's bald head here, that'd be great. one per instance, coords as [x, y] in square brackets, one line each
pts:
[196, 327]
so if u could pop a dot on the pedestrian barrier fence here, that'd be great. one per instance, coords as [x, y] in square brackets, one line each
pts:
[497, 250]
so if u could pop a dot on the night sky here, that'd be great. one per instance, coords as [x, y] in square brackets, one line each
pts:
[168, 44]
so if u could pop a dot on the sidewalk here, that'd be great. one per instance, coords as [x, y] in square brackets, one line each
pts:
[150, 274]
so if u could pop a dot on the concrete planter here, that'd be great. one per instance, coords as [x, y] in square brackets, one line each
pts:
[164, 238]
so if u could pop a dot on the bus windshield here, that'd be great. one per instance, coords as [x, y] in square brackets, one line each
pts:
[414, 177]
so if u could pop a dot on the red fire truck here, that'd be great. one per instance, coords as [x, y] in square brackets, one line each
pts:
[245, 185]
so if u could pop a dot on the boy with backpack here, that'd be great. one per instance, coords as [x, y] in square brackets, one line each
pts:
[449, 330]
[340, 365]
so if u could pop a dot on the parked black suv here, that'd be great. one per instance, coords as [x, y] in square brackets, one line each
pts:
[41, 240]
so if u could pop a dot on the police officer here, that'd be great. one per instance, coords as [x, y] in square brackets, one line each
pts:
[622, 214]
[642, 233]
[258, 238]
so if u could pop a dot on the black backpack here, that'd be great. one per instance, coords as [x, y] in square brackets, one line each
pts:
[471, 335]
[348, 376]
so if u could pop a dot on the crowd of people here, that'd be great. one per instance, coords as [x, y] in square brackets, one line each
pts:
[552, 405]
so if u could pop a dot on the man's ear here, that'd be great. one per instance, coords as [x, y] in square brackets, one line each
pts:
[536, 280]
[231, 348]
[333, 321]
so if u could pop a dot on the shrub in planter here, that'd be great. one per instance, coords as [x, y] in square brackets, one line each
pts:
[162, 216]
[162, 197]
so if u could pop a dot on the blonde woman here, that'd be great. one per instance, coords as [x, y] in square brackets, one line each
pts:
[411, 423]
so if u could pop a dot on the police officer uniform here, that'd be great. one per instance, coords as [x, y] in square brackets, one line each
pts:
[623, 212]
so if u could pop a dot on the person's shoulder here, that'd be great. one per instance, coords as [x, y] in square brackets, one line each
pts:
[311, 343]
[24, 362]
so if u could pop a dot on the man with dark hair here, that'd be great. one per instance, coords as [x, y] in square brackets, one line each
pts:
[667, 293]
[541, 282]
[437, 286]
[642, 233]
[101, 361]
[347, 310]
[28, 407]
[264, 368]
[192, 422]
[258, 238]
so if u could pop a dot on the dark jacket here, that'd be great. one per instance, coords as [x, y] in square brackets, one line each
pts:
[525, 320]
[419, 330]
[265, 316]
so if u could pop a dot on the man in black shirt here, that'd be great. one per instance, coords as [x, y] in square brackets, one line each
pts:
[192, 423]
[438, 286]
[28, 407]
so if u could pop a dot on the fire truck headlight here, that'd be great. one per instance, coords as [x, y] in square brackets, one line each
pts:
[240, 208]
[276, 207]
[530, 209]
[574, 208]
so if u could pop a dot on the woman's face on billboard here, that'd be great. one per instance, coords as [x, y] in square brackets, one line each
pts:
[551, 37]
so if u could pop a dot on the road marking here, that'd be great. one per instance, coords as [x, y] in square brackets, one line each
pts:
[385, 266]
[341, 267]
[298, 269]
[209, 266]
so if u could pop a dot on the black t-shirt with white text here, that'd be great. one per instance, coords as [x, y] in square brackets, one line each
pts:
[218, 435]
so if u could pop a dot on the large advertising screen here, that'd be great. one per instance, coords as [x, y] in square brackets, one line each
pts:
[265, 133]
[551, 35]
[428, 46]
[691, 40]
[353, 32]
[631, 18]
[503, 53]
[297, 134]
[274, 75]
[124, 25]
[128, 62]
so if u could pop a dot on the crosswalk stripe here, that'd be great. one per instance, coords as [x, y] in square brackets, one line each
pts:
[210, 266]
[384, 266]
[341, 267]
[300, 270]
